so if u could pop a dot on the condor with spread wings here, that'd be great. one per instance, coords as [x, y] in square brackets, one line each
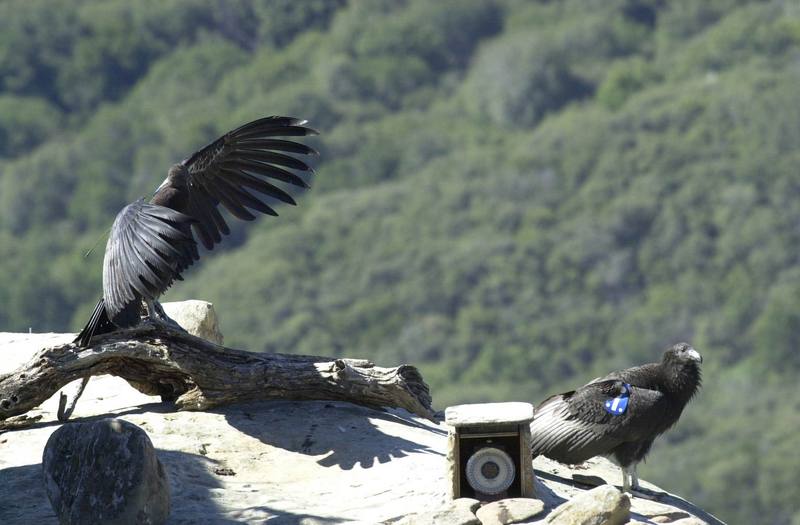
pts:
[152, 243]
[619, 415]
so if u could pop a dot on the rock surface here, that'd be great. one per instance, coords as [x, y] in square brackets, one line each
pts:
[460, 511]
[280, 462]
[196, 317]
[511, 510]
[603, 505]
[557, 483]
[106, 472]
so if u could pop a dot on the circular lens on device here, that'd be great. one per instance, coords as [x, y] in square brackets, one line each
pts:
[490, 470]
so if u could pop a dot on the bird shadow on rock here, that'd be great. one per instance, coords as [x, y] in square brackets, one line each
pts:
[344, 433]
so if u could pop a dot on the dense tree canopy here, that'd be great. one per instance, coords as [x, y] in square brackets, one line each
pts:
[515, 196]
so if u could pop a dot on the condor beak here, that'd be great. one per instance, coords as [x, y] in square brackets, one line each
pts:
[694, 354]
[163, 184]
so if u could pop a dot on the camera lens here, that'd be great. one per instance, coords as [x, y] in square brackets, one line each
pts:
[490, 471]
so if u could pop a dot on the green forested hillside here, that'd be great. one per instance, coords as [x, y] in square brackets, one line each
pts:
[515, 196]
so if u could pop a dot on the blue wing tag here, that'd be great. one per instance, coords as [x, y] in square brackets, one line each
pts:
[618, 405]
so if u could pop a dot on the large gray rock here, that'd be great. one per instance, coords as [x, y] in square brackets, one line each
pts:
[104, 472]
[281, 461]
[510, 510]
[196, 317]
[603, 505]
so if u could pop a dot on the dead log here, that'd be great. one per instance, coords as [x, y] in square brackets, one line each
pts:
[199, 375]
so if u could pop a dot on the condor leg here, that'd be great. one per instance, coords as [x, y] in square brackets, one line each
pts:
[156, 314]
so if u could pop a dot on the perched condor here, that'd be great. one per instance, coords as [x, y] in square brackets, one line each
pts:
[618, 415]
[152, 243]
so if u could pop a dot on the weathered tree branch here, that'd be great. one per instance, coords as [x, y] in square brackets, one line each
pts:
[200, 375]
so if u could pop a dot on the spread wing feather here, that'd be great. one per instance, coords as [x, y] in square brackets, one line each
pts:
[148, 248]
[210, 225]
[278, 145]
[230, 169]
[262, 168]
[221, 190]
[240, 195]
[259, 185]
[151, 244]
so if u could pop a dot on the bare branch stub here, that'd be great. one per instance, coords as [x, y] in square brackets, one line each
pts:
[200, 375]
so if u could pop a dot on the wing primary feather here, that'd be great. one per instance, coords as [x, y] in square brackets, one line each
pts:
[218, 190]
[262, 186]
[162, 250]
[266, 170]
[271, 157]
[232, 171]
[245, 198]
[276, 131]
[287, 146]
[157, 262]
[149, 245]
[209, 206]
[146, 282]
[271, 121]
[201, 228]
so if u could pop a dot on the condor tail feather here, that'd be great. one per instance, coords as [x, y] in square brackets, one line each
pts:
[98, 324]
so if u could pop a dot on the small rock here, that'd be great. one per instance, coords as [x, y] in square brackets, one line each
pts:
[604, 505]
[460, 511]
[104, 472]
[196, 317]
[511, 510]
[592, 481]
[691, 520]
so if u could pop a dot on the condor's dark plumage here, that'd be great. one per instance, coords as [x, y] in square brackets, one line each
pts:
[575, 426]
[151, 244]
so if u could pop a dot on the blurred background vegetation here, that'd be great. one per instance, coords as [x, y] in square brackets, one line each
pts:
[515, 196]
